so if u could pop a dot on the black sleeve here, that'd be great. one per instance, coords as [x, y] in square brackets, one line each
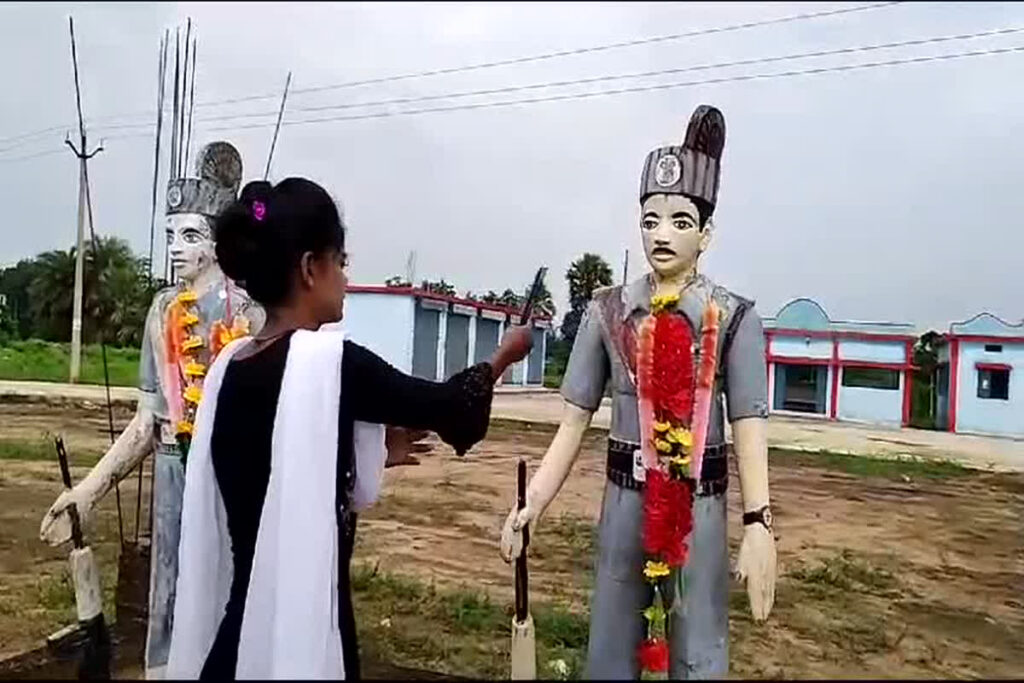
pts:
[458, 410]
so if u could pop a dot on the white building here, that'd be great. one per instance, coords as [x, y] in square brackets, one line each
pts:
[980, 377]
[434, 336]
[856, 371]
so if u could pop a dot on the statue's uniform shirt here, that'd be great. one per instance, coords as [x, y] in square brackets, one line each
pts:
[168, 472]
[603, 354]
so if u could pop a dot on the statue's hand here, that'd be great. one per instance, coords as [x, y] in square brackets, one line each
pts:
[56, 526]
[512, 532]
[756, 564]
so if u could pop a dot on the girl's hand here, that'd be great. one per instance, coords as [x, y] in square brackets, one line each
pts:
[402, 443]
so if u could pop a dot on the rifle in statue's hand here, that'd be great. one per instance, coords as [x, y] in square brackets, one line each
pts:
[524, 647]
[535, 289]
[90, 633]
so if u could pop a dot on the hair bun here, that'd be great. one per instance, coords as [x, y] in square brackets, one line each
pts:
[240, 237]
[261, 237]
[256, 190]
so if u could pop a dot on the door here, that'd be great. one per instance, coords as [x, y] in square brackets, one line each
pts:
[536, 369]
[801, 388]
[486, 339]
[456, 345]
[424, 343]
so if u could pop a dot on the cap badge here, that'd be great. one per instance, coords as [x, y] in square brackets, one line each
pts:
[667, 170]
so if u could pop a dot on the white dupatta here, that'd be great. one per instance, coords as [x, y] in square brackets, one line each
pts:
[290, 623]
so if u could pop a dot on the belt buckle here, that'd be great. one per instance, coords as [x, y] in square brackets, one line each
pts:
[639, 472]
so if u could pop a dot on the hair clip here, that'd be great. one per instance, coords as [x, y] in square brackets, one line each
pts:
[259, 210]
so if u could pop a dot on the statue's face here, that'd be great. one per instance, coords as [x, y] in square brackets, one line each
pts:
[189, 244]
[673, 238]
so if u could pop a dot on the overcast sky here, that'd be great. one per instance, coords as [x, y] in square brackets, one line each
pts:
[885, 194]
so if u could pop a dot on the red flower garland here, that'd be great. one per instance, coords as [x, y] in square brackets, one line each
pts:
[665, 383]
[668, 517]
[672, 374]
[654, 655]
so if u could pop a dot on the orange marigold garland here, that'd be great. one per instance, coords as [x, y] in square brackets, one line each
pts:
[705, 382]
[674, 406]
[184, 346]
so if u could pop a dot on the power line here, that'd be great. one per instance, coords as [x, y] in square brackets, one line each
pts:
[646, 88]
[644, 74]
[604, 78]
[36, 155]
[506, 62]
[603, 48]
[601, 93]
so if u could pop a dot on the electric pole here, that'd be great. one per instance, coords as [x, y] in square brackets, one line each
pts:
[83, 180]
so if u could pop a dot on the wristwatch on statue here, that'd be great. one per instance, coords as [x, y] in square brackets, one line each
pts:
[762, 515]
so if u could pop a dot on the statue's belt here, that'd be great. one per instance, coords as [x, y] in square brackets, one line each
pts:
[714, 473]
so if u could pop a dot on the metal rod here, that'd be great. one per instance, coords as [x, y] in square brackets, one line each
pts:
[177, 104]
[191, 105]
[625, 269]
[184, 99]
[161, 86]
[277, 128]
[84, 157]
[103, 346]
[161, 63]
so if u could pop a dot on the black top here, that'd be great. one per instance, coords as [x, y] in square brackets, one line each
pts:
[372, 391]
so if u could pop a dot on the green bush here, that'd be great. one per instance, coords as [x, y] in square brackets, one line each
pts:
[37, 360]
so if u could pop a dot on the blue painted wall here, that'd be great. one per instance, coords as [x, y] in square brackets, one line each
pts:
[802, 314]
[883, 406]
[874, 351]
[991, 416]
[382, 323]
[801, 347]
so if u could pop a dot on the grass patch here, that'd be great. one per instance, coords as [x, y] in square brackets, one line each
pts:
[846, 572]
[57, 592]
[43, 449]
[458, 632]
[50, 362]
[871, 466]
[579, 534]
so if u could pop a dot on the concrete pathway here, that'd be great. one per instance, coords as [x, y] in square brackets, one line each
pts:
[808, 434]
[545, 406]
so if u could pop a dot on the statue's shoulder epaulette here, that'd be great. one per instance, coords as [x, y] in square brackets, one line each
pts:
[604, 292]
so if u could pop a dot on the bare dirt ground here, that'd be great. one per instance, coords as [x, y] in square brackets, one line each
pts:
[885, 571]
[812, 434]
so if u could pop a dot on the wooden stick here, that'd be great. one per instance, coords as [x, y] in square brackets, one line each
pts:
[522, 577]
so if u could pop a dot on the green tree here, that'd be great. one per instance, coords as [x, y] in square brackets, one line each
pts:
[511, 299]
[50, 295]
[585, 274]
[439, 287]
[14, 285]
[923, 389]
[397, 281]
[116, 294]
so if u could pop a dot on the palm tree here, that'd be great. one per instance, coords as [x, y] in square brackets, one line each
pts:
[116, 293]
[50, 295]
[585, 274]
